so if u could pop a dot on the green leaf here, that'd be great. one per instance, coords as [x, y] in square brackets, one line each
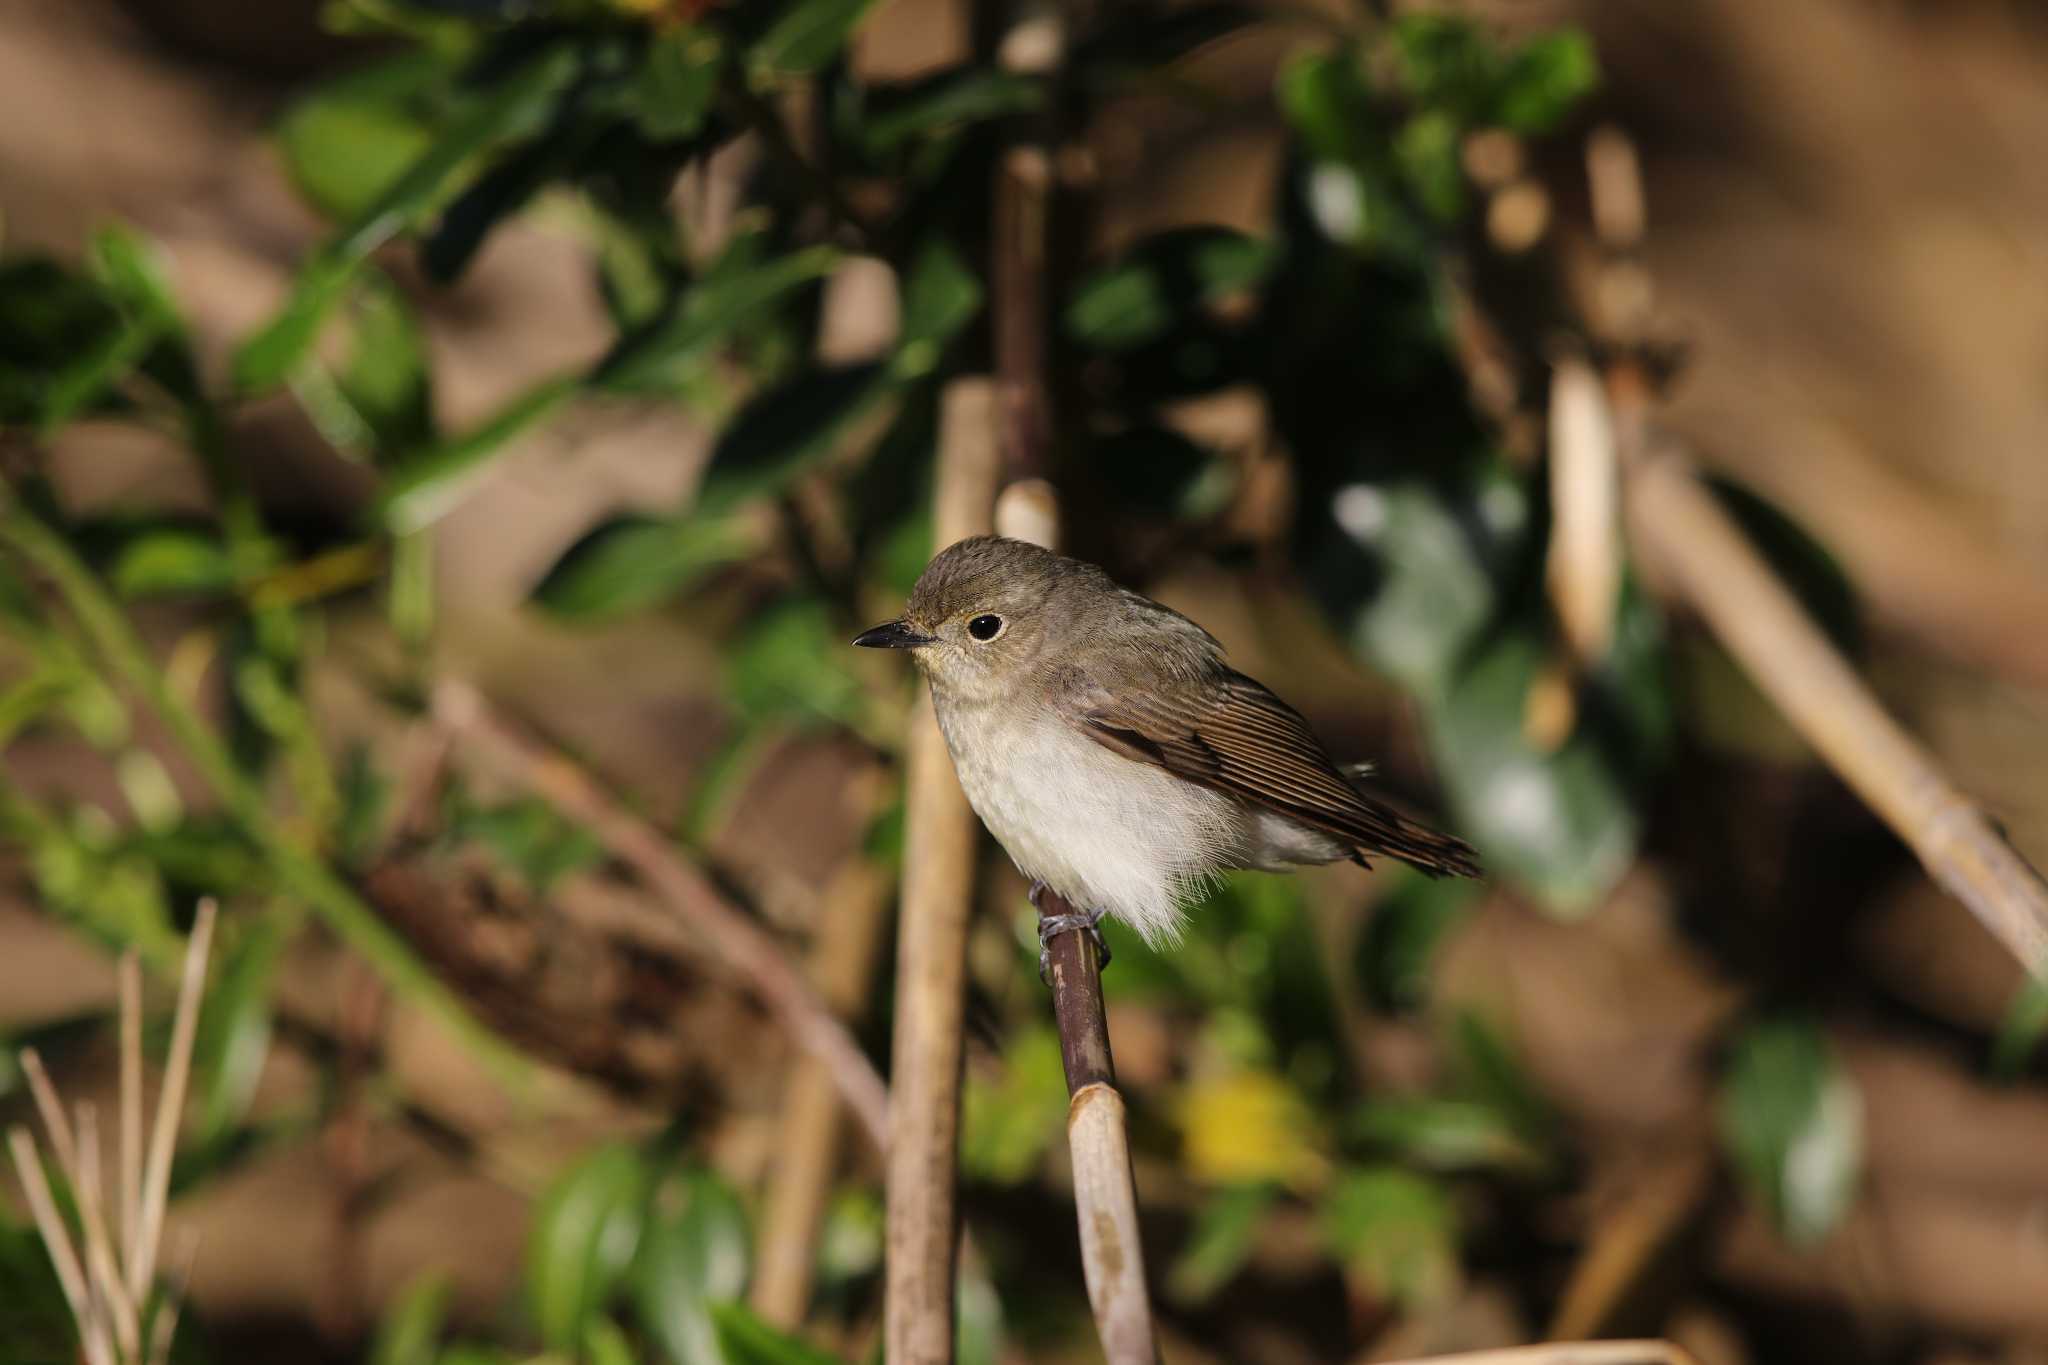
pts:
[605, 1343]
[1010, 1120]
[411, 1331]
[1562, 822]
[1225, 1234]
[171, 559]
[386, 382]
[1487, 1070]
[350, 140]
[782, 432]
[746, 1340]
[1397, 1231]
[52, 320]
[1398, 950]
[2021, 1031]
[585, 1235]
[512, 107]
[977, 1317]
[943, 102]
[527, 834]
[791, 663]
[234, 1027]
[1446, 1135]
[849, 1241]
[693, 1261]
[809, 34]
[1151, 288]
[735, 292]
[674, 90]
[630, 563]
[1545, 80]
[1793, 1122]
[432, 482]
[941, 296]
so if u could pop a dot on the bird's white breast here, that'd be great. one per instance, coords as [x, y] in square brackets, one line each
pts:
[1104, 831]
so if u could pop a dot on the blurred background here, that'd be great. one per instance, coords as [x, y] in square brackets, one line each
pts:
[589, 354]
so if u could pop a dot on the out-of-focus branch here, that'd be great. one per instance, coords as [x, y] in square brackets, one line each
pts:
[1569, 1353]
[1629, 1241]
[744, 945]
[1678, 525]
[931, 949]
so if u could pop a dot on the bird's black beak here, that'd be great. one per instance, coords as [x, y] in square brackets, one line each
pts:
[892, 635]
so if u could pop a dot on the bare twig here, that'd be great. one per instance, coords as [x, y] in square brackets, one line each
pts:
[931, 955]
[56, 1238]
[1678, 523]
[170, 1106]
[742, 943]
[51, 1110]
[131, 1098]
[103, 1273]
[1625, 1245]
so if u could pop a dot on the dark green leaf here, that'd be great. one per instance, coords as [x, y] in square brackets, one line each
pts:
[234, 1027]
[809, 34]
[1224, 1237]
[1486, 1069]
[2021, 1031]
[676, 85]
[1793, 1122]
[781, 433]
[51, 320]
[511, 108]
[1143, 294]
[411, 1331]
[1398, 949]
[692, 1261]
[735, 292]
[386, 379]
[501, 191]
[1397, 1231]
[585, 1234]
[630, 563]
[941, 296]
[172, 559]
[746, 1340]
[945, 101]
[527, 834]
[433, 481]
[977, 1317]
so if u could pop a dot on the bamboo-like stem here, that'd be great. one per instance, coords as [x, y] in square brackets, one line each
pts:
[1583, 568]
[131, 1098]
[842, 962]
[743, 944]
[1680, 526]
[103, 1273]
[51, 1110]
[56, 1238]
[299, 874]
[1105, 1198]
[931, 953]
[170, 1107]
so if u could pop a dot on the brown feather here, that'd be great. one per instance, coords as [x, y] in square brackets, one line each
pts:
[1235, 736]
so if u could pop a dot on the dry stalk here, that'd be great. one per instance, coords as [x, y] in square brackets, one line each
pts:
[108, 1292]
[746, 947]
[931, 954]
[1625, 1245]
[1584, 558]
[1682, 528]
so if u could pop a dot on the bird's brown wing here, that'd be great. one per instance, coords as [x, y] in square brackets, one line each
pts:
[1231, 734]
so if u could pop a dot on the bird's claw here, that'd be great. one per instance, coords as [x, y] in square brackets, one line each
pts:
[1051, 927]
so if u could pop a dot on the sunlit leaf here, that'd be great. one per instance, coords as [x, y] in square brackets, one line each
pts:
[809, 34]
[629, 563]
[1009, 1119]
[171, 559]
[1249, 1127]
[352, 138]
[1793, 1122]
[586, 1230]
[1545, 80]
[693, 1259]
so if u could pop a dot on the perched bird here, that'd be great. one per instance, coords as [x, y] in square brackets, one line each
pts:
[1114, 754]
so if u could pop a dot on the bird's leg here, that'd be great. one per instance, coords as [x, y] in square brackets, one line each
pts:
[1051, 927]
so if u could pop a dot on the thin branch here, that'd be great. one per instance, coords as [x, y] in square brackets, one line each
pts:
[1646, 1352]
[56, 1238]
[931, 955]
[745, 946]
[51, 1111]
[131, 1098]
[103, 1273]
[1680, 525]
[1017, 308]
[1626, 1243]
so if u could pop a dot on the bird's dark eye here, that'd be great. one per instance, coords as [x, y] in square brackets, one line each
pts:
[985, 627]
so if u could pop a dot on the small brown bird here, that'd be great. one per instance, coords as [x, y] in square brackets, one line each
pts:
[1111, 751]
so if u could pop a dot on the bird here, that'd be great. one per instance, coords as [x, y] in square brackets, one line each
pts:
[1113, 752]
